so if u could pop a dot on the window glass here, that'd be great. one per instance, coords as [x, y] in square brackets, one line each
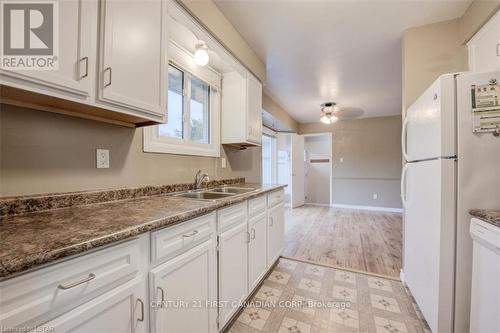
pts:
[199, 111]
[268, 159]
[174, 127]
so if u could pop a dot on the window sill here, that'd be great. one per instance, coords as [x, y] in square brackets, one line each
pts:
[151, 144]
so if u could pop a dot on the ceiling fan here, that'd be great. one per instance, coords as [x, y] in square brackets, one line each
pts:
[330, 113]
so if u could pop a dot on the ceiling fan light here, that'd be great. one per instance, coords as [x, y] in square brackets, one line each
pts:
[327, 113]
[200, 56]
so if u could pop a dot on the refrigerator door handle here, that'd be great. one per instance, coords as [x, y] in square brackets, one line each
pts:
[403, 184]
[403, 138]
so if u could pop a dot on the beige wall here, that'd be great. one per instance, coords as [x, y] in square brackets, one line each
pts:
[371, 154]
[44, 152]
[476, 16]
[214, 21]
[278, 112]
[429, 51]
[439, 48]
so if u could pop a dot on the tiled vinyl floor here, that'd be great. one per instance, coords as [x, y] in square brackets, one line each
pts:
[304, 298]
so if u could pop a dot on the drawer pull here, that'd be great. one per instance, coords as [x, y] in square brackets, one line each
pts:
[271, 222]
[77, 283]
[86, 59]
[252, 233]
[191, 234]
[162, 295]
[142, 310]
[110, 76]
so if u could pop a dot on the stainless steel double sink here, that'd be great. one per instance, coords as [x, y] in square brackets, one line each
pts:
[215, 193]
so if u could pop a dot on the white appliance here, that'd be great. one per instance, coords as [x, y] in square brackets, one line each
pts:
[485, 297]
[449, 170]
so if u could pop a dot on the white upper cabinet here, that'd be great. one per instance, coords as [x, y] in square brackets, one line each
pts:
[77, 52]
[241, 109]
[484, 47]
[254, 111]
[132, 71]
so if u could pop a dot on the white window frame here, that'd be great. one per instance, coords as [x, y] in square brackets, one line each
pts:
[154, 143]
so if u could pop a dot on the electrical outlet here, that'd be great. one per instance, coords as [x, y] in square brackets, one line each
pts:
[375, 196]
[102, 158]
[223, 163]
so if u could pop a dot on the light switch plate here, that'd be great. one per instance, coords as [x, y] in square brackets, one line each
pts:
[102, 158]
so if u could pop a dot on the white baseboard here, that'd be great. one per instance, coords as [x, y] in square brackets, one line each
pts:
[316, 204]
[381, 209]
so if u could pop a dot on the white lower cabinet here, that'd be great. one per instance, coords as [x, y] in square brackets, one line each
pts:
[184, 292]
[233, 287]
[200, 272]
[275, 232]
[257, 250]
[121, 310]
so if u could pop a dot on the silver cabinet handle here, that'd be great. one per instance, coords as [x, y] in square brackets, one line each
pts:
[162, 295]
[191, 234]
[142, 310]
[110, 76]
[271, 222]
[86, 59]
[77, 283]
[252, 233]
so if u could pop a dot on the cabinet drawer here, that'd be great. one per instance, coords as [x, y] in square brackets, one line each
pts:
[36, 297]
[172, 241]
[256, 206]
[231, 216]
[274, 198]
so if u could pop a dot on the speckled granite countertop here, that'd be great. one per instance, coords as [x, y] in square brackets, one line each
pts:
[34, 239]
[491, 216]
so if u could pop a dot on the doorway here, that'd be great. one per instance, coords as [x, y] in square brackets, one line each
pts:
[311, 181]
[318, 169]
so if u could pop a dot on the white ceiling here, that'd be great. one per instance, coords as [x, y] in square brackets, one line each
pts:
[343, 51]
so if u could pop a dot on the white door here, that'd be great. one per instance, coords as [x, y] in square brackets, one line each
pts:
[133, 65]
[254, 111]
[429, 125]
[429, 238]
[233, 265]
[275, 233]
[298, 196]
[257, 250]
[191, 278]
[77, 54]
[121, 310]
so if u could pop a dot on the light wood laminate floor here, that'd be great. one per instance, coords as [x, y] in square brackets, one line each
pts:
[354, 239]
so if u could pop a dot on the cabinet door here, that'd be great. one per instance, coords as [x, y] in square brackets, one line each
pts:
[254, 110]
[257, 250]
[133, 59]
[77, 56]
[275, 233]
[121, 310]
[233, 246]
[189, 278]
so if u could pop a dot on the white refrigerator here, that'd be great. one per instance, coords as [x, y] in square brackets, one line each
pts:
[449, 169]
